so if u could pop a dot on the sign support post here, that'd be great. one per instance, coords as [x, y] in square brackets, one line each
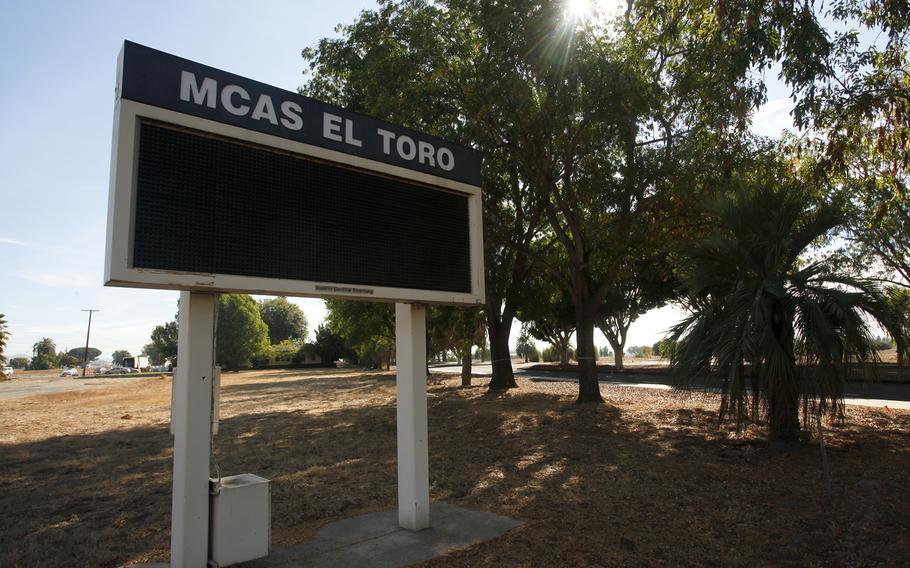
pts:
[411, 390]
[192, 415]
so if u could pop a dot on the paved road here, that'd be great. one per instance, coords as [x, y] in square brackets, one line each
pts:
[22, 387]
[875, 395]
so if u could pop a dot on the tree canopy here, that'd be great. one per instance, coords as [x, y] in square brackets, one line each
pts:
[241, 334]
[118, 356]
[164, 343]
[79, 353]
[778, 330]
[286, 321]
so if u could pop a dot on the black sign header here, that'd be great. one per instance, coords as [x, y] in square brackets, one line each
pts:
[159, 79]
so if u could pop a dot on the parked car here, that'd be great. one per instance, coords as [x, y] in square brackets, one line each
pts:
[102, 371]
[6, 372]
[119, 371]
[73, 372]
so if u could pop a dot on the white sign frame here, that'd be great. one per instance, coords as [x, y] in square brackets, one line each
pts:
[118, 266]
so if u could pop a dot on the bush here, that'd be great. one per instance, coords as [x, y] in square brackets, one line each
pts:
[282, 354]
[641, 351]
[18, 363]
[551, 354]
[666, 348]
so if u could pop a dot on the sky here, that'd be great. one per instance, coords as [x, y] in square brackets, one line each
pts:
[56, 108]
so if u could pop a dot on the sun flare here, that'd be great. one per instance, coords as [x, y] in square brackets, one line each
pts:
[579, 8]
[586, 9]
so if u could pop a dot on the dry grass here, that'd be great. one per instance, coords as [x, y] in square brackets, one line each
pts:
[644, 480]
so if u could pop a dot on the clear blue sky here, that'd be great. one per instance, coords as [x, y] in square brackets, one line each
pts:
[56, 108]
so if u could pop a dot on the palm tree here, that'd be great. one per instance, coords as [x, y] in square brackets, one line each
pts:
[4, 337]
[777, 331]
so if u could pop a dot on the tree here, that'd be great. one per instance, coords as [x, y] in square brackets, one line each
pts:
[241, 334]
[331, 347]
[429, 66]
[846, 64]
[150, 351]
[79, 353]
[67, 360]
[548, 315]
[118, 357]
[524, 347]
[646, 284]
[164, 342]
[367, 327]
[286, 321]
[44, 354]
[19, 363]
[755, 301]
[4, 337]
[666, 348]
[458, 329]
[641, 351]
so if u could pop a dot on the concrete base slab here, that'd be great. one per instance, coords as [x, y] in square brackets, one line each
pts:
[377, 541]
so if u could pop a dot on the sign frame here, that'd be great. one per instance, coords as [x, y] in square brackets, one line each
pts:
[119, 270]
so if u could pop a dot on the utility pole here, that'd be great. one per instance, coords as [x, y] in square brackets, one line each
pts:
[87, 334]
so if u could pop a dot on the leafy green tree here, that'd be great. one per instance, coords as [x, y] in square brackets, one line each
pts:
[524, 347]
[241, 334]
[367, 327]
[331, 347]
[150, 351]
[118, 356]
[283, 353]
[754, 300]
[67, 360]
[641, 351]
[458, 329]
[548, 314]
[164, 342]
[44, 354]
[429, 66]
[899, 304]
[846, 64]
[19, 362]
[4, 337]
[286, 321]
[79, 353]
[666, 348]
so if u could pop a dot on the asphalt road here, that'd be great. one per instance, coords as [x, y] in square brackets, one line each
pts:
[22, 387]
[875, 395]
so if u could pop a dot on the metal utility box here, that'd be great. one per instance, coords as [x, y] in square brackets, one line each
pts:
[239, 519]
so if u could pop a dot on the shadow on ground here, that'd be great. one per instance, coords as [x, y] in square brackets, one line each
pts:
[595, 485]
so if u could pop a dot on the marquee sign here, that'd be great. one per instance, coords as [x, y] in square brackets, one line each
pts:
[222, 183]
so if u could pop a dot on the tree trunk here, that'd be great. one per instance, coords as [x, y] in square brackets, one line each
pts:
[563, 355]
[466, 370]
[783, 408]
[618, 353]
[499, 329]
[617, 338]
[588, 386]
[783, 391]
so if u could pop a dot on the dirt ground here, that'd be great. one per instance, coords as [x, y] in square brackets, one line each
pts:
[646, 479]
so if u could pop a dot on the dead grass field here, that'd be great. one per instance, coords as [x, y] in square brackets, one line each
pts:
[645, 480]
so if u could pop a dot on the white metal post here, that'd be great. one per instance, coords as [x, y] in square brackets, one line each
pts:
[192, 414]
[413, 459]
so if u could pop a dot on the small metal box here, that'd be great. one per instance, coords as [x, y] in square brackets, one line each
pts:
[239, 519]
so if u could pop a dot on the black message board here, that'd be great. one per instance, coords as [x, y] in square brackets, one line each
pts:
[223, 183]
[205, 204]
